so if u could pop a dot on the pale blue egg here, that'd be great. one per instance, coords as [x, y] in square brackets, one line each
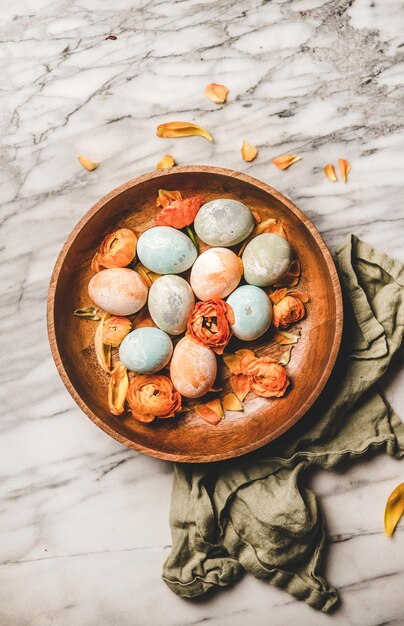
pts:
[146, 350]
[166, 250]
[252, 312]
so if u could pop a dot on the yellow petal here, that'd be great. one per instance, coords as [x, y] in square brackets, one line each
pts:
[344, 168]
[286, 160]
[165, 197]
[278, 295]
[211, 412]
[182, 129]
[248, 152]
[216, 93]
[329, 171]
[87, 163]
[118, 386]
[394, 509]
[102, 351]
[285, 338]
[285, 358]
[233, 362]
[232, 403]
[165, 162]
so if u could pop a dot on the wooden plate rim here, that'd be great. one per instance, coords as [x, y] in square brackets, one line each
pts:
[333, 353]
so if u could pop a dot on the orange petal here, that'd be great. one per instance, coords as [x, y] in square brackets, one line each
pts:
[95, 266]
[233, 362]
[182, 129]
[394, 509]
[118, 386]
[165, 197]
[303, 297]
[286, 160]
[329, 171]
[216, 93]
[248, 152]
[232, 403]
[209, 413]
[278, 295]
[165, 162]
[241, 385]
[245, 352]
[344, 168]
[285, 338]
[256, 216]
[143, 319]
[102, 351]
[87, 163]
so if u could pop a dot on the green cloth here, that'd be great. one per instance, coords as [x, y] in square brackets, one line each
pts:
[254, 513]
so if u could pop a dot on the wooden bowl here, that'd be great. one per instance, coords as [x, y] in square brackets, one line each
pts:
[187, 437]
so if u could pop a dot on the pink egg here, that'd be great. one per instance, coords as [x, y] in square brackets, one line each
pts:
[216, 273]
[193, 368]
[118, 290]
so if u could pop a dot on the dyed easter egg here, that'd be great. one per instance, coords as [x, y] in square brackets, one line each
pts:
[223, 222]
[166, 250]
[266, 258]
[252, 312]
[118, 290]
[146, 350]
[216, 273]
[171, 300]
[193, 368]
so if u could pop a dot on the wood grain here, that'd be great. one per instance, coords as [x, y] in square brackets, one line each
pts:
[188, 437]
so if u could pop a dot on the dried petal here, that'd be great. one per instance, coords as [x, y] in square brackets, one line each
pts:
[286, 160]
[165, 197]
[211, 412]
[102, 351]
[112, 37]
[115, 330]
[179, 213]
[245, 352]
[241, 385]
[233, 362]
[344, 168]
[88, 313]
[87, 163]
[182, 129]
[291, 278]
[278, 295]
[256, 216]
[118, 386]
[285, 338]
[165, 162]
[231, 402]
[143, 319]
[147, 275]
[248, 152]
[216, 93]
[329, 171]
[394, 509]
[285, 358]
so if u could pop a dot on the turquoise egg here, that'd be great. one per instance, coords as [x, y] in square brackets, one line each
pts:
[252, 312]
[223, 222]
[171, 300]
[266, 259]
[166, 250]
[146, 350]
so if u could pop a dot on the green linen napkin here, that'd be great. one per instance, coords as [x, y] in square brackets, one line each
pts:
[254, 513]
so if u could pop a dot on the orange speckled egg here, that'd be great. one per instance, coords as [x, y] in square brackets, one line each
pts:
[216, 273]
[193, 368]
[118, 290]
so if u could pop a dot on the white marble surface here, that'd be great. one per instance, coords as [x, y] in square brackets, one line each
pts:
[84, 521]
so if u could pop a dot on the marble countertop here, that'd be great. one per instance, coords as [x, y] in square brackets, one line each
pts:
[84, 521]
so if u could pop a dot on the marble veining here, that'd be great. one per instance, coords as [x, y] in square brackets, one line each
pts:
[84, 521]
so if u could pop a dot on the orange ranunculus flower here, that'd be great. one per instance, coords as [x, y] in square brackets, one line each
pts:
[209, 324]
[117, 249]
[152, 395]
[268, 378]
[115, 330]
[288, 310]
[179, 213]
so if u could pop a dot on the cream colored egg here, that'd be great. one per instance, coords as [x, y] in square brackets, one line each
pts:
[118, 291]
[193, 368]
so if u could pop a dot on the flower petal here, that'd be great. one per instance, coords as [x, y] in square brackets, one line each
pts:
[394, 509]
[329, 171]
[102, 351]
[278, 295]
[233, 362]
[286, 160]
[231, 402]
[88, 313]
[285, 358]
[216, 93]
[241, 385]
[344, 168]
[285, 338]
[179, 213]
[118, 386]
[165, 162]
[210, 412]
[182, 129]
[256, 216]
[165, 197]
[87, 163]
[303, 297]
[248, 152]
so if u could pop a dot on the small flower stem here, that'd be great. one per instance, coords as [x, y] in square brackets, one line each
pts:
[192, 237]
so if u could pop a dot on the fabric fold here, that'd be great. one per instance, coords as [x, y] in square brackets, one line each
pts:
[255, 513]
